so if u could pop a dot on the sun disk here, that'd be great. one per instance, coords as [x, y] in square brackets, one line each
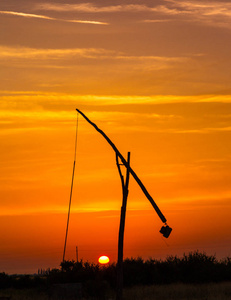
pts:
[103, 259]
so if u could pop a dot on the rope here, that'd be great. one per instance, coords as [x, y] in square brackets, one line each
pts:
[72, 182]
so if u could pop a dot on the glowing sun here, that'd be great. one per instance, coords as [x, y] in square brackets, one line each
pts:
[103, 260]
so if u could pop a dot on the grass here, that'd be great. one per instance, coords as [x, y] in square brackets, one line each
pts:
[24, 294]
[212, 291]
[219, 291]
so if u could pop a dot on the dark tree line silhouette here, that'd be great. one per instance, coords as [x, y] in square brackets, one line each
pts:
[195, 267]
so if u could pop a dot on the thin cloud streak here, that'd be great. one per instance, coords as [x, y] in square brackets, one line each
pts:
[21, 52]
[64, 58]
[91, 8]
[156, 21]
[25, 100]
[28, 112]
[86, 22]
[20, 14]
[26, 15]
[99, 53]
[203, 130]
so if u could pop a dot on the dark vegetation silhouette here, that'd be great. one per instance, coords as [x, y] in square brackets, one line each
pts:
[194, 267]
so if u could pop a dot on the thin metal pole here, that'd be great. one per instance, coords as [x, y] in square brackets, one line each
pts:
[72, 182]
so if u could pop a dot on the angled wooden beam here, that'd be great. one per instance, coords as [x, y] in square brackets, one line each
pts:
[159, 213]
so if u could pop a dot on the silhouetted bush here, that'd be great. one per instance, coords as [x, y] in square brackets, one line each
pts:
[5, 281]
[194, 267]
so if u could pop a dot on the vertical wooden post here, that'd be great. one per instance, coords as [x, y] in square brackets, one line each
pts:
[77, 254]
[119, 285]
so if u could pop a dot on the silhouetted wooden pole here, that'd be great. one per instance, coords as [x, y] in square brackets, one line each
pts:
[119, 284]
[77, 253]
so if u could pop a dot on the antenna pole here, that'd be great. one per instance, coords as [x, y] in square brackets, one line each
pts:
[72, 182]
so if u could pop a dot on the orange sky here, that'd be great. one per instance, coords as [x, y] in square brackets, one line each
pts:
[156, 78]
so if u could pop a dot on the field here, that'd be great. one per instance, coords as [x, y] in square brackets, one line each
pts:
[212, 291]
[220, 291]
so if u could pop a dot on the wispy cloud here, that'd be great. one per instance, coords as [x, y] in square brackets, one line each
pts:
[203, 130]
[156, 21]
[203, 11]
[86, 22]
[20, 14]
[92, 8]
[49, 56]
[149, 58]
[26, 15]
[212, 13]
[24, 52]
[57, 99]
[172, 7]
[27, 111]
[206, 8]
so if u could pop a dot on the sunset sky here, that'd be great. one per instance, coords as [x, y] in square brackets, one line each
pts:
[155, 77]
